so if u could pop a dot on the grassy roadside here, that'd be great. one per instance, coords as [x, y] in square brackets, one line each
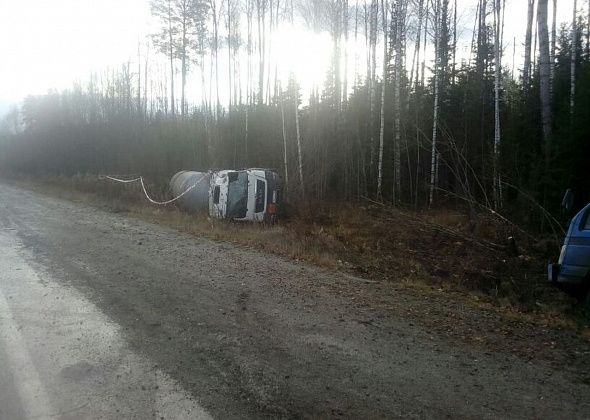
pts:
[431, 253]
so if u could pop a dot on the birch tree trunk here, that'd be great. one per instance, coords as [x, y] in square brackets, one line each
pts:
[345, 18]
[229, 55]
[527, 44]
[433, 157]
[284, 139]
[336, 35]
[269, 56]
[171, 53]
[545, 93]
[384, 7]
[248, 48]
[373, 47]
[299, 154]
[215, 15]
[497, 81]
[183, 84]
[145, 80]
[397, 109]
[139, 104]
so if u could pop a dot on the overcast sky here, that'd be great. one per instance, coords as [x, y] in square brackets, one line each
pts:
[49, 44]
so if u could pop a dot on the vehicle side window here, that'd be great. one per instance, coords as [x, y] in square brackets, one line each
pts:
[260, 196]
[586, 221]
[216, 195]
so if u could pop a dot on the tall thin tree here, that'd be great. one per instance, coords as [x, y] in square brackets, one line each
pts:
[434, 151]
[497, 186]
[527, 43]
[384, 21]
[544, 64]
[165, 40]
[574, 43]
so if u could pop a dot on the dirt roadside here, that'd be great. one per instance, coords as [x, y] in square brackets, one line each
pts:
[256, 335]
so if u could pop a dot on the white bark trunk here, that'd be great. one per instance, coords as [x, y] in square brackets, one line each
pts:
[433, 157]
[345, 27]
[383, 90]
[229, 58]
[215, 16]
[299, 154]
[400, 28]
[545, 97]
[373, 46]
[171, 53]
[497, 82]
[284, 140]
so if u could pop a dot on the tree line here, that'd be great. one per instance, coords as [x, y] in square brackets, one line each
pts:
[425, 129]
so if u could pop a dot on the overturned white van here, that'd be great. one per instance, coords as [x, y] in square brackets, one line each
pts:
[247, 194]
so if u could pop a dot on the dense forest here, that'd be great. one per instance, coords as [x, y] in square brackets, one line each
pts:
[425, 128]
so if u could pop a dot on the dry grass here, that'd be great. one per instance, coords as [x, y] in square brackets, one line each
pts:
[468, 259]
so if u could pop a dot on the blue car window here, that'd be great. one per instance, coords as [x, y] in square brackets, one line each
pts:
[586, 221]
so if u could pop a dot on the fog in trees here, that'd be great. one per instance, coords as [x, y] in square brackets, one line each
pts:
[401, 116]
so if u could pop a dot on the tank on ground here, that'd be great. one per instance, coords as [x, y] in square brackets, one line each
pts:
[196, 199]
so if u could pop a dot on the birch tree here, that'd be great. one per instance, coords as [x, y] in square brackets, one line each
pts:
[346, 22]
[285, 160]
[372, 79]
[228, 25]
[433, 155]
[399, 42]
[544, 76]
[497, 187]
[299, 153]
[384, 7]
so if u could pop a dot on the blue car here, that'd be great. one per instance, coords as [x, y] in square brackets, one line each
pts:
[572, 271]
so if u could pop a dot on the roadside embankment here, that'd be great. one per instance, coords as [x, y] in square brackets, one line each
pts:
[439, 251]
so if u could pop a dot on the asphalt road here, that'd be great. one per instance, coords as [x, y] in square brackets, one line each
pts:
[105, 316]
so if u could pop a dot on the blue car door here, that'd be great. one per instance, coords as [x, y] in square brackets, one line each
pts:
[576, 261]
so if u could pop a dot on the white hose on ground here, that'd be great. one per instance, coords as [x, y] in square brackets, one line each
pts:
[151, 200]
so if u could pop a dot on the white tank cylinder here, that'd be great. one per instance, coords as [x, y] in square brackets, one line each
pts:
[197, 199]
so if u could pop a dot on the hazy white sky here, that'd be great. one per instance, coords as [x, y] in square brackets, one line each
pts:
[49, 44]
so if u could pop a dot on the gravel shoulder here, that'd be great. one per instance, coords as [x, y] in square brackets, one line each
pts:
[252, 335]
